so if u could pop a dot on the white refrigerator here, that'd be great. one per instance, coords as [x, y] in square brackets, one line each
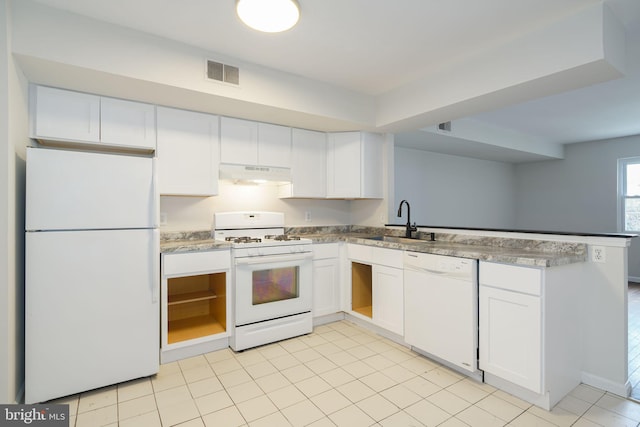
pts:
[92, 266]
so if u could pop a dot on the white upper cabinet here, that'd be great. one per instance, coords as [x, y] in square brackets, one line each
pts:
[188, 146]
[354, 165]
[308, 165]
[238, 141]
[127, 123]
[62, 116]
[251, 143]
[274, 145]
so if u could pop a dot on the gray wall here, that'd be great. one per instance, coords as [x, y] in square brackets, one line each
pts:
[578, 193]
[446, 190]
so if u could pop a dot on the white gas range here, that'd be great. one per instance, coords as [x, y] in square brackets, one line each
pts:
[272, 278]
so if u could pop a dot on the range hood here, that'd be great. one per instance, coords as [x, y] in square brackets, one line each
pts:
[251, 174]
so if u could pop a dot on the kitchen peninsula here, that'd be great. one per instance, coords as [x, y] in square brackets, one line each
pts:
[582, 326]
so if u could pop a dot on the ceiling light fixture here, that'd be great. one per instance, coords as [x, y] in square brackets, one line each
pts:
[269, 16]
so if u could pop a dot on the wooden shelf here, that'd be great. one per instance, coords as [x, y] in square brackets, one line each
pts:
[191, 297]
[365, 311]
[193, 327]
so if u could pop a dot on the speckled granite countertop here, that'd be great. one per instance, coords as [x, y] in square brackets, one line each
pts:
[189, 241]
[495, 253]
[538, 253]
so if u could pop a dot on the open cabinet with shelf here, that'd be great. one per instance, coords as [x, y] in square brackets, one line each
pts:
[195, 297]
[361, 289]
[196, 306]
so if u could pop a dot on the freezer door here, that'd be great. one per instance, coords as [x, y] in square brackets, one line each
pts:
[71, 190]
[91, 310]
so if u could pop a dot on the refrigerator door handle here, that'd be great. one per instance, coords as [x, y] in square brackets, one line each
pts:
[155, 265]
[155, 196]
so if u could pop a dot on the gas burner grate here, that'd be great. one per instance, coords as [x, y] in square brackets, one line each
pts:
[243, 239]
[282, 237]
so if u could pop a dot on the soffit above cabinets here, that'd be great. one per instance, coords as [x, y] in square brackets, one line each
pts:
[344, 71]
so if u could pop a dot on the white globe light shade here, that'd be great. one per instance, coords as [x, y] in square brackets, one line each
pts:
[269, 16]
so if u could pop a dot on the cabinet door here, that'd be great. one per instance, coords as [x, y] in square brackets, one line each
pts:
[127, 123]
[274, 145]
[326, 286]
[510, 336]
[64, 115]
[308, 166]
[187, 153]
[343, 164]
[388, 298]
[238, 141]
[372, 158]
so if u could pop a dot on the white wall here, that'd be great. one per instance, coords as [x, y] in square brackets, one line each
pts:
[5, 275]
[13, 140]
[75, 52]
[196, 213]
[578, 193]
[446, 190]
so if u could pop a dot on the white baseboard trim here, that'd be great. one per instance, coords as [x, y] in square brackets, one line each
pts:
[168, 356]
[634, 279]
[328, 318]
[621, 389]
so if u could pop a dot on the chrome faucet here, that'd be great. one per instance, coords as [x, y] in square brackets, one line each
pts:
[410, 228]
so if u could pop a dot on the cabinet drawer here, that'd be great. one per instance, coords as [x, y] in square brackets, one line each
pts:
[375, 255]
[326, 250]
[362, 253]
[510, 277]
[195, 262]
[388, 257]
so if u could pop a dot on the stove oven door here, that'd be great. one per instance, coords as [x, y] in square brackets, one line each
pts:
[269, 287]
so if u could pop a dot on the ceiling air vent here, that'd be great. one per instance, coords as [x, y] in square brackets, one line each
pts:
[446, 126]
[223, 72]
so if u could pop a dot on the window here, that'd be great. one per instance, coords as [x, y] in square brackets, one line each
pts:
[629, 194]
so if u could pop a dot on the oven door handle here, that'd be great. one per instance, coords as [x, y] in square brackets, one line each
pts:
[274, 258]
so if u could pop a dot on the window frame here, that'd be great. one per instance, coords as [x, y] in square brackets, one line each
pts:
[622, 191]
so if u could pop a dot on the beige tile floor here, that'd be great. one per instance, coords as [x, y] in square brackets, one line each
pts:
[340, 375]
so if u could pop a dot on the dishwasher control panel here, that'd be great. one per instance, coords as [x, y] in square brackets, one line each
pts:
[441, 264]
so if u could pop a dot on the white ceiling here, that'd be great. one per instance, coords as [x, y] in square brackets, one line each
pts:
[373, 46]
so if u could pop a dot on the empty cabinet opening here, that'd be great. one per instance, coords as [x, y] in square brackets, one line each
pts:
[361, 301]
[197, 306]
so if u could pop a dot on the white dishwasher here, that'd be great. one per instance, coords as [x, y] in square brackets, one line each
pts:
[441, 308]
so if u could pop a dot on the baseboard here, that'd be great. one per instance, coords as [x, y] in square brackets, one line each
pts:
[634, 279]
[398, 339]
[621, 389]
[168, 356]
[328, 318]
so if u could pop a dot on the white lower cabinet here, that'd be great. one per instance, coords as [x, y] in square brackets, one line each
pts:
[377, 289]
[511, 336]
[388, 298]
[195, 311]
[326, 279]
[529, 330]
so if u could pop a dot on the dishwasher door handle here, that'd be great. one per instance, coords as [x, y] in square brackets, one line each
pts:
[425, 270]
